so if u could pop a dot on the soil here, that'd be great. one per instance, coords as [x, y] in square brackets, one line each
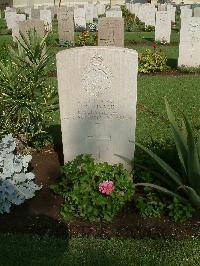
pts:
[40, 215]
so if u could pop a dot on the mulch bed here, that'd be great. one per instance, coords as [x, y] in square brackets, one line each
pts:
[40, 215]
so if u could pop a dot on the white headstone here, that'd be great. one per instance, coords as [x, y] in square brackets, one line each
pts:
[89, 13]
[189, 47]
[98, 117]
[46, 16]
[113, 13]
[79, 17]
[163, 26]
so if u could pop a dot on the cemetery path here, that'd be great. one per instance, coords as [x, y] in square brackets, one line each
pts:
[40, 215]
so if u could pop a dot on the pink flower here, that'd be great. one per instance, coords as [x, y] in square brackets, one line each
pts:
[106, 187]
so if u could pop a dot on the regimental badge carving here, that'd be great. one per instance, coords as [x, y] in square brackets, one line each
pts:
[97, 78]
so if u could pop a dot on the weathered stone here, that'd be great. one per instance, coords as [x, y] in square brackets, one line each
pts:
[32, 24]
[197, 11]
[79, 18]
[65, 26]
[163, 26]
[98, 102]
[89, 13]
[189, 48]
[111, 32]
[114, 13]
[35, 13]
[46, 16]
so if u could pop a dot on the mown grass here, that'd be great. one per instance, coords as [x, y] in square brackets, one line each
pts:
[34, 250]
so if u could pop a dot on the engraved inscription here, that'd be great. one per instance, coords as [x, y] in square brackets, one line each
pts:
[97, 78]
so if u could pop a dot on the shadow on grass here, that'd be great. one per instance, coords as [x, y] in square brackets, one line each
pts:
[149, 39]
[172, 62]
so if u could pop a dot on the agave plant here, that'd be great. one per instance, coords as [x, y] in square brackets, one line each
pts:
[186, 184]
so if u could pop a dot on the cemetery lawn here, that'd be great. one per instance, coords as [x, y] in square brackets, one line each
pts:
[35, 250]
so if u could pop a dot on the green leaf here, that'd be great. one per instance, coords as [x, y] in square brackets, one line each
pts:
[180, 142]
[193, 159]
[166, 167]
[162, 189]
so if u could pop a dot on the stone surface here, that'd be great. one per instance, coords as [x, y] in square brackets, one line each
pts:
[65, 26]
[35, 13]
[32, 24]
[46, 16]
[112, 13]
[163, 26]
[197, 11]
[111, 32]
[79, 17]
[189, 47]
[15, 29]
[10, 19]
[89, 13]
[98, 102]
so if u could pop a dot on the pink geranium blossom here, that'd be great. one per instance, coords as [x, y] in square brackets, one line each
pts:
[106, 187]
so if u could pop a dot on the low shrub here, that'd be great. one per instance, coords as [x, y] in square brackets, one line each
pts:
[152, 60]
[16, 184]
[93, 191]
[26, 99]
[180, 212]
[86, 38]
[149, 205]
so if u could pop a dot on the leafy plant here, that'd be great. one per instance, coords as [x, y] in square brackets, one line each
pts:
[16, 184]
[131, 23]
[26, 99]
[149, 28]
[85, 38]
[184, 185]
[149, 205]
[152, 60]
[180, 212]
[93, 191]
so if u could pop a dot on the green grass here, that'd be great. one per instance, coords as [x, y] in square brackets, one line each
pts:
[34, 250]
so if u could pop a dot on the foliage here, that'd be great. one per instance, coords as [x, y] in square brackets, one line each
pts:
[26, 100]
[85, 38]
[131, 23]
[149, 205]
[185, 184]
[152, 60]
[92, 27]
[149, 28]
[180, 212]
[67, 44]
[81, 188]
[4, 52]
[16, 183]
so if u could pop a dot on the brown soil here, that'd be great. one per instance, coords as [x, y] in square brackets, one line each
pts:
[40, 215]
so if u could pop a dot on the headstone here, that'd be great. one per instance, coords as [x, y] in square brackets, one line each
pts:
[95, 12]
[79, 18]
[35, 13]
[101, 9]
[111, 32]
[15, 29]
[46, 16]
[162, 7]
[27, 10]
[186, 14]
[189, 47]
[89, 13]
[163, 27]
[197, 11]
[32, 24]
[65, 26]
[98, 117]
[10, 19]
[150, 17]
[113, 13]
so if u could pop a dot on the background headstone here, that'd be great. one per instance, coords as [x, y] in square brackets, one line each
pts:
[111, 32]
[163, 26]
[189, 47]
[79, 17]
[98, 102]
[65, 26]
